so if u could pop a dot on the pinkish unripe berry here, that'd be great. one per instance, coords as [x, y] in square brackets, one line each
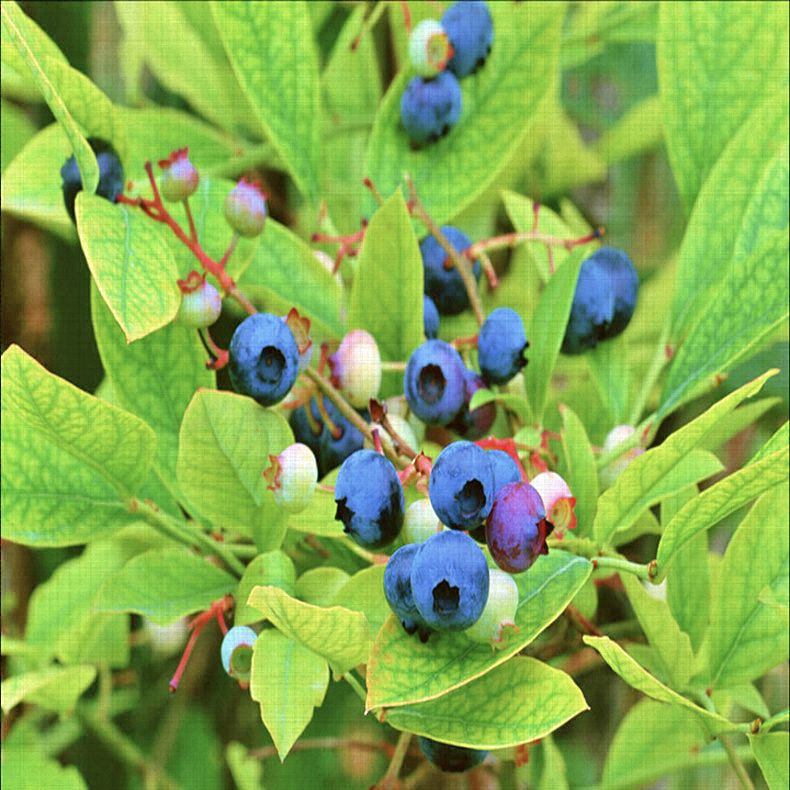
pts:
[293, 476]
[180, 178]
[617, 435]
[245, 208]
[499, 614]
[356, 368]
[557, 500]
[201, 303]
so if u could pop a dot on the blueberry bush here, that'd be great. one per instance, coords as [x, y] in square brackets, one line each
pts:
[226, 401]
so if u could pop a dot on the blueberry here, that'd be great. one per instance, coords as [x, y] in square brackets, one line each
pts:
[504, 468]
[429, 108]
[263, 358]
[501, 345]
[453, 759]
[461, 485]
[449, 581]
[430, 317]
[245, 208]
[516, 529]
[200, 307]
[180, 177]
[473, 424]
[434, 382]
[303, 431]
[397, 587]
[334, 450]
[444, 285]
[292, 476]
[110, 175]
[471, 32]
[236, 652]
[356, 368]
[369, 498]
[604, 300]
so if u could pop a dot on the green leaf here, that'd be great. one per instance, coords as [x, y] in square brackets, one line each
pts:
[403, 671]
[771, 751]
[646, 524]
[285, 273]
[318, 586]
[341, 636]
[224, 446]
[547, 330]
[288, 681]
[277, 67]
[518, 701]
[154, 377]
[643, 681]
[768, 597]
[744, 415]
[131, 263]
[749, 306]
[647, 471]
[742, 204]
[778, 441]
[387, 293]
[70, 461]
[246, 773]
[164, 585]
[716, 63]
[364, 592]
[515, 403]
[555, 773]
[318, 518]
[652, 741]
[498, 105]
[720, 500]
[639, 130]
[26, 768]
[582, 477]
[747, 638]
[610, 369]
[55, 688]
[270, 568]
[18, 130]
[671, 645]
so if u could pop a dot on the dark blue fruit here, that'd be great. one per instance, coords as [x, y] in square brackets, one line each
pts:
[263, 358]
[501, 345]
[397, 587]
[430, 107]
[430, 318]
[516, 529]
[453, 759]
[461, 485]
[505, 469]
[473, 424]
[434, 382]
[444, 285]
[449, 581]
[110, 175]
[471, 32]
[604, 300]
[369, 498]
[333, 450]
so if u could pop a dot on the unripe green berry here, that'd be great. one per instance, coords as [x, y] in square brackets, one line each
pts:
[356, 368]
[421, 522]
[180, 178]
[429, 48]
[245, 208]
[236, 652]
[499, 613]
[200, 308]
[293, 476]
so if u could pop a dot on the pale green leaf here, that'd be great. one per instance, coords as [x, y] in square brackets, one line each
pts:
[582, 476]
[18, 130]
[55, 688]
[271, 568]
[402, 670]
[364, 592]
[288, 681]
[247, 772]
[639, 130]
[778, 441]
[515, 403]
[318, 586]
[771, 751]
[518, 701]
[555, 773]
[716, 63]
[746, 637]
[26, 768]
[341, 636]
[164, 585]
[609, 365]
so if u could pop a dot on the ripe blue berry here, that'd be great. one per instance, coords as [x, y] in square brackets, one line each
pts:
[501, 345]
[473, 424]
[516, 529]
[263, 358]
[303, 430]
[397, 587]
[449, 758]
[429, 108]
[604, 300]
[430, 317]
[434, 382]
[449, 581]
[245, 208]
[333, 450]
[236, 652]
[504, 468]
[110, 175]
[444, 285]
[471, 32]
[461, 485]
[369, 498]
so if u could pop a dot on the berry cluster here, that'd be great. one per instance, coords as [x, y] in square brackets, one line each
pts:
[444, 52]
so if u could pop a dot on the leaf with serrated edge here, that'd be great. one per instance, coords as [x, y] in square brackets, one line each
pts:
[54, 688]
[747, 638]
[637, 677]
[402, 670]
[497, 107]
[518, 701]
[719, 501]
[164, 585]
[131, 262]
[224, 446]
[647, 470]
[772, 751]
[341, 636]
[288, 681]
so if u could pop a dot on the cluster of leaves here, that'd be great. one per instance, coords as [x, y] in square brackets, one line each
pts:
[147, 470]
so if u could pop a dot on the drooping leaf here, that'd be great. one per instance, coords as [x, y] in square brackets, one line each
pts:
[518, 701]
[319, 585]
[771, 751]
[364, 592]
[55, 688]
[270, 568]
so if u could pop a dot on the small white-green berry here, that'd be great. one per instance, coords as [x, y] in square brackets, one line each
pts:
[499, 614]
[292, 476]
[420, 523]
[429, 48]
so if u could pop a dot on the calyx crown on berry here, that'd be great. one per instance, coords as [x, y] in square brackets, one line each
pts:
[180, 178]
